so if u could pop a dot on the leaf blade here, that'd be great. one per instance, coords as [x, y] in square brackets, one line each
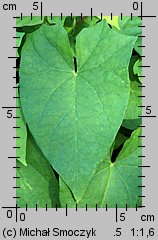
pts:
[64, 127]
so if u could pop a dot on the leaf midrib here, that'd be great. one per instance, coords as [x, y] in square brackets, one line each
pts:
[75, 130]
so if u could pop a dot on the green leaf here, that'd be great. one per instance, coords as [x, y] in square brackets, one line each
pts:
[132, 124]
[131, 119]
[26, 21]
[113, 182]
[137, 46]
[87, 21]
[75, 116]
[138, 70]
[132, 75]
[119, 140]
[20, 132]
[133, 111]
[75, 25]
[56, 20]
[130, 27]
[38, 184]
[139, 204]
[18, 41]
[113, 22]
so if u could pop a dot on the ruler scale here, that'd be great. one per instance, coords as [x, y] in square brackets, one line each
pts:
[56, 223]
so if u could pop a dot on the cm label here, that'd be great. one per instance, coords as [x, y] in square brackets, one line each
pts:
[9, 7]
[147, 218]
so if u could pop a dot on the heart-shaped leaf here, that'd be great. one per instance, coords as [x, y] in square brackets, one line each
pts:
[74, 107]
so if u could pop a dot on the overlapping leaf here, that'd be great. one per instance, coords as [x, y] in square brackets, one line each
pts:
[21, 132]
[113, 182]
[133, 110]
[28, 21]
[19, 36]
[132, 124]
[71, 114]
[119, 140]
[113, 22]
[137, 69]
[56, 20]
[35, 20]
[130, 27]
[132, 117]
[38, 184]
